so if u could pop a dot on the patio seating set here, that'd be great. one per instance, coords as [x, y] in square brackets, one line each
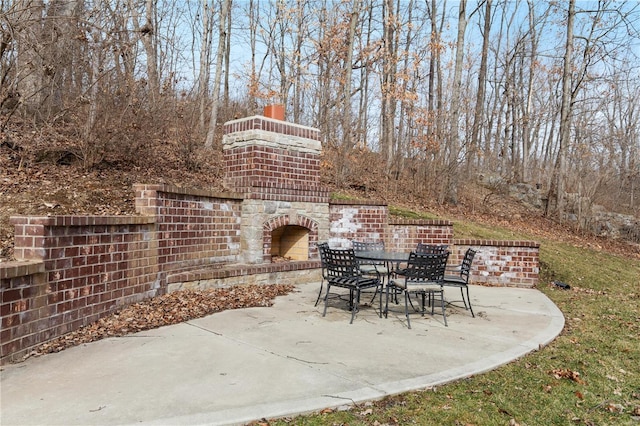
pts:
[420, 275]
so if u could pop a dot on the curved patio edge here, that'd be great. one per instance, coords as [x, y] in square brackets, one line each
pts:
[248, 364]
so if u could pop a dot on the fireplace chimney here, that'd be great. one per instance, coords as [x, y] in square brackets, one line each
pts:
[276, 166]
[275, 111]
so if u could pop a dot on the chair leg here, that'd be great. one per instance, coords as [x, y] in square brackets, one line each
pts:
[320, 292]
[375, 293]
[386, 303]
[444, 314]
[470, 308]
[406, 308]
[432, 297]
[351, 299]
[463, 299]
[354, 304]
[326, 299]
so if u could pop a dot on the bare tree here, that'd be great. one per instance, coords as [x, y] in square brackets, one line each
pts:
[451, 179]
[148, 34]
[388, 89]
[478, 117]
[225, 13]
[207, 16]
[348, 67]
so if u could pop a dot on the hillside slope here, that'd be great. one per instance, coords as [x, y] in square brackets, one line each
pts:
[48, 179]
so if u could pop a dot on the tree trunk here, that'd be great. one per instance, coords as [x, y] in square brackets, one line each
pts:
[205, 61]
[27, 16]
[560, 172]
[148, 34]
[388, 101]
[227, 58]
[451, 190]
[222, 40]
[478, 118]
[528, 137]
[348, 67]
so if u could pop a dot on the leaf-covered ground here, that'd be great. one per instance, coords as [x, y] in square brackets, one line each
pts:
[172, 308]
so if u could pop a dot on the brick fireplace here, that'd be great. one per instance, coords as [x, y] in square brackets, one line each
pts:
[276, 166]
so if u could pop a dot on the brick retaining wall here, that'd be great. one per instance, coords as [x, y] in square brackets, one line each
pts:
[501, 263]
[404, 235]
[195, 227]
[88, 266]
[75, 269]
[23, 306]
[349, 220]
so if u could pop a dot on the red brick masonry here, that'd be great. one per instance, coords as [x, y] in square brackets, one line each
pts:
[72, 270]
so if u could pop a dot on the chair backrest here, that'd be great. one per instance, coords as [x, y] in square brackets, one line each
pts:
[431, 248]
[424, 267]
[322, 249]
[341, 263]
[465, 269]
[359, 246]
[362, 246]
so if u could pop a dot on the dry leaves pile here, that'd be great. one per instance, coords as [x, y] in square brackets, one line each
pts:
[169, 309]
[565, 373]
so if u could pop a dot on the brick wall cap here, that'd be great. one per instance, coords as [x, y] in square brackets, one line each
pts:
[172, 189]
[81, 220]
[337, 202]
[273, 120]
[423, 222]
[21, 268]
[497, 243]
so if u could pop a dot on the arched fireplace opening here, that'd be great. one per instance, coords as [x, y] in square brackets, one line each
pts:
[290, 242]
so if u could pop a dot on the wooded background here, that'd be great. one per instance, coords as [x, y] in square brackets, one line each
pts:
[435, 94]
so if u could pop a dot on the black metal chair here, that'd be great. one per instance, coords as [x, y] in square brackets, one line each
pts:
[343, 271]
[375, 268]
[423, 277]
[461, 279]
[426, 249]
[321, 250]
[371, 267]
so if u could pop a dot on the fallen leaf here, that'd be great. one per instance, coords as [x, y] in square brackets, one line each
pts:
[565, 373]
[614, 408]
[172, 308]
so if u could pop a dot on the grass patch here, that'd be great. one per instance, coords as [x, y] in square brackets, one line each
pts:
[475, 231]
[339, 196]
[410, 214]
[589, 375]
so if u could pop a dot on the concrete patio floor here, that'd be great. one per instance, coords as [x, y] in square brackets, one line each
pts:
[242, 365]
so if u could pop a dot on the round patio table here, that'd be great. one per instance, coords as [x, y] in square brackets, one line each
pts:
[392, 259]
[384, 256]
